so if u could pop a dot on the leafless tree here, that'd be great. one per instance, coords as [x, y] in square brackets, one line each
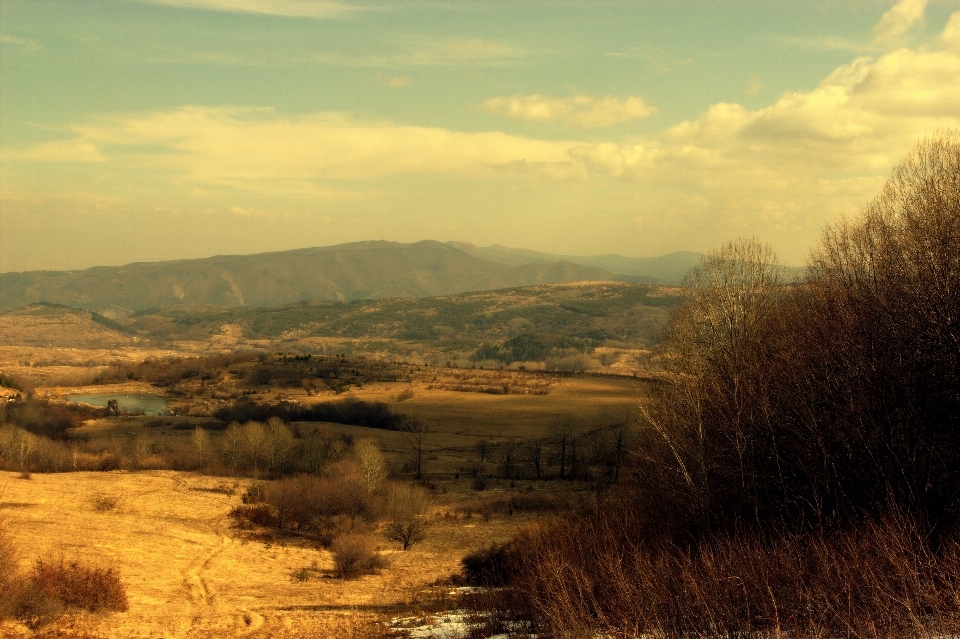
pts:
[564, 432]
[416, 432]
[406, 508]
[372, 463]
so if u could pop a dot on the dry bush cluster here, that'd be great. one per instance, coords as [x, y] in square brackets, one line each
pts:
[799, 471]
[883, 580]
[53, 587]
[492, 382]
[355, 555]
[338, 508]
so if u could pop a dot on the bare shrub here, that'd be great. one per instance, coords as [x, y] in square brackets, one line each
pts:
[52, 587]
[78, 585]
[406, 531]
[884, 580]
[103, 501]
[323, 506]
[9, 570]
[372, 463]
[253, 516]
[355, 555]
[406, 507]
[491, 567]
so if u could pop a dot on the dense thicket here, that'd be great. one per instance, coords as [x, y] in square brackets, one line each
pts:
[807, 437]
[833, 400]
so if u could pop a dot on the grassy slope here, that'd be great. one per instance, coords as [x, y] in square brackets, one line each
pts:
[51, 325]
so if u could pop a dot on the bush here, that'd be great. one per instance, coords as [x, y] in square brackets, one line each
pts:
[323, 506]
[8, 571]
[355, 555]
[491, 567]
[78, 585]
[348, 411]
[104, 501]
[597, 577]
[53, 586]
[259, 515]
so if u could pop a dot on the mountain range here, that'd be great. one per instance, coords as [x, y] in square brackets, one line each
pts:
[344, 272]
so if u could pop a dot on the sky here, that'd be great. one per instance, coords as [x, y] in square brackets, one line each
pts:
[143, 130]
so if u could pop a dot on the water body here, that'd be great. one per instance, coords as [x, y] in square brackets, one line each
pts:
[149, 404]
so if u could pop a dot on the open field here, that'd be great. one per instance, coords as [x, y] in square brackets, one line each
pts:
[189, 574]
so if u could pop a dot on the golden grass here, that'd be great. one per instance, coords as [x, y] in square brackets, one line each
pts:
[188, 574]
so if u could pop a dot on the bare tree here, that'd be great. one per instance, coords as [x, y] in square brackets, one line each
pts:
[201, 444]
[277, 444]
[416, 432]
[508, 457]
[564, 431]
[372, 463]
[713, 347]
[406, 507]
[534, 458]
[483, 450]
[233, 444]
[254, 444]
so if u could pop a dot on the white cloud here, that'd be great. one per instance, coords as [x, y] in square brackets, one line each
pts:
[74, 150]
[260, 150]
[394, 82]
[290, 8]
[434, 53]
[898, 19]
[581, 111]
[951, 34]
[25, 43]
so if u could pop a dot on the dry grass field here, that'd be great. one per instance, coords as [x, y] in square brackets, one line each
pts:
[189, 574]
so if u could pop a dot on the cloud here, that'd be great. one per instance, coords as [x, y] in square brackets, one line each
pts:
[784, 170]
[754, 84]
[580, 111]
[435, 53]
[656, 59]
[898, 19]
[260, 150]
[394, 82]
[951, 34]
[75, 150]
[289, 8]
[25, 43]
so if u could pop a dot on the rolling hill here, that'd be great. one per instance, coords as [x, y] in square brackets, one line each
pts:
[50, 325]
[345, 272]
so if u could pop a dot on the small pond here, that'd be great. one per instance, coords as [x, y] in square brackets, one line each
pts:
[149, 404]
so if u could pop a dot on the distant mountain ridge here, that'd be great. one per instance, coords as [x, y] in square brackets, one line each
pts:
[355, 271]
